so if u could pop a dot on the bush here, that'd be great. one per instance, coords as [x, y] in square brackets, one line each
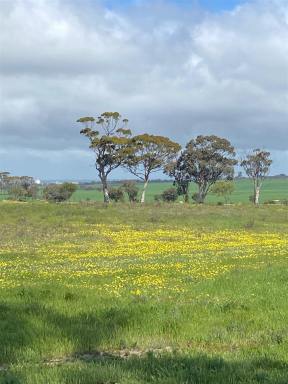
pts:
[21, 187]
[32, 191]
[58, 193]
[223, 188]
[16, 192]
[116, 194]
[132, 190]
[272, 202]
[169, 195]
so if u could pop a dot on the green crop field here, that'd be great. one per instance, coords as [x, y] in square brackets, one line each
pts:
[160, 293]
[273, 189]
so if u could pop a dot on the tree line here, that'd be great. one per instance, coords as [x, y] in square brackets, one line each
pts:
[22, 188]
[207, 161]
[17, 186]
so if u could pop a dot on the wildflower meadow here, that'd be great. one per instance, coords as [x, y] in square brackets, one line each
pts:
[127, 294]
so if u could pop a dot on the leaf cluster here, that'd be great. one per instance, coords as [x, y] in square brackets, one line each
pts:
[59, 192]
[150, 153]
[257, 164]
[111, 146]
[207, 159]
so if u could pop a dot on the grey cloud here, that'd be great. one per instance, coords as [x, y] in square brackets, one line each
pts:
[170, 70]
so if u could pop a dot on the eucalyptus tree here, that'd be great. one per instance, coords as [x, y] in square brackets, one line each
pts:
[109, 145]
[149, 154]
[257, 165]
[204, 161]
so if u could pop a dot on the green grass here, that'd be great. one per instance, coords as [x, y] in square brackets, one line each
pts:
[228, 329]
[273, 189]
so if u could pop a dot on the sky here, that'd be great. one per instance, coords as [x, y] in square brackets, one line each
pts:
[177, 68]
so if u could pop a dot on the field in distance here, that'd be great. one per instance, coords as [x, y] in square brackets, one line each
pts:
[131, 294]
[273, 189]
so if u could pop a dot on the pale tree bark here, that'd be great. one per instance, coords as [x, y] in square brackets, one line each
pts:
[105, 188]
[144, 191]
[257, 194]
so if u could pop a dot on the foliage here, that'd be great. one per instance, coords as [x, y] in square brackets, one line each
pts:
[17, 192]
[169, 195]
[275, 188]
[20, 187]
[148, 154]
[116, 194]
[223, 189]
[204, 161]
[257, 165]
[110, 148]
[181, 180]
[4, 181]
[59, 192]
[131, 189]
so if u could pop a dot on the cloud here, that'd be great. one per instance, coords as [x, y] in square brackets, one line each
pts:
[172, 70]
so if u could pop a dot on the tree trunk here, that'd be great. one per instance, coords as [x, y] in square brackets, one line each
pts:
[201, 198]
[201, 195]
[256, 196]
[144, 191]
[105, 189]
[186, 197]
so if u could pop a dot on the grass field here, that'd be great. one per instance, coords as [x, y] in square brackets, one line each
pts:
[168, 294]
[273, 189]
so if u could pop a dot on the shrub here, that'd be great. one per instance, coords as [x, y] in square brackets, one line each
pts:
[131, 189]
[116, 194]
[21, 187]
[16, 192]
[69, 188]
[223, 188]
[169, 195]
[32, 191]
[58, 193]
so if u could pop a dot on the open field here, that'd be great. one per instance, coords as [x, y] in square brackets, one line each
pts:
[166, 294]
[273, 189]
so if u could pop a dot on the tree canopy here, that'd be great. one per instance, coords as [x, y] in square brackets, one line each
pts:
[148, 154]
[257, 165]
[205, 160]
[110, 146]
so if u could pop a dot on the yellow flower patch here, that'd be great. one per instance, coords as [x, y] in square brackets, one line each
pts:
[116, 260]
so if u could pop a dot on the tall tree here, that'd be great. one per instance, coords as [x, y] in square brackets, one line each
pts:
[204, 161]
[149, 154]
[257, 165]
[110, 146]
